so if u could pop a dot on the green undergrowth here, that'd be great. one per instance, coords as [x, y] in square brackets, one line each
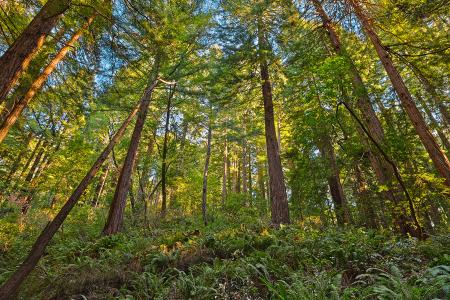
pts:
[234, 257]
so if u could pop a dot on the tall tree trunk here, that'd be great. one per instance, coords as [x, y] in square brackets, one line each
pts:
[9, 288]
[334, 181]
[279, 204]
[164, 155]
[383, 170]
[438, 157]
[225, 172]
[100, 186]
[37, 84]
[115, 215]
[205, 174]
[18, 56]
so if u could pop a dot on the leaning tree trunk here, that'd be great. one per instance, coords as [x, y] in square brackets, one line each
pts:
[205, 174]
[382, 169]
[37, 84]
[438, 157]
[115, 215]
[18, 56]
[278, 196]
[164, 155]
[9, 288]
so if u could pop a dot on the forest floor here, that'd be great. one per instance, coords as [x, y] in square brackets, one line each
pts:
[234, 257]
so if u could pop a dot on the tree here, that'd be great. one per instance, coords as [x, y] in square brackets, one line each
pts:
[164, 165]
[279, 204]
[205, 172]
[9, 288]
[18, 56]
[115, 215]
[19, 106]
[440, 160]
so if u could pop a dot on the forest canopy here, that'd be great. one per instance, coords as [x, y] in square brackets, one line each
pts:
[189, 149]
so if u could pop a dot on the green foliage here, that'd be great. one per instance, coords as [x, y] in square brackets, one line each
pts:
[236, 257]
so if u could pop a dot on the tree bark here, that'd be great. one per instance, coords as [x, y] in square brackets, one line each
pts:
[18, 56]
[278, 196]
[205, 174]
[115, 215]
[164, 155]
[438, 157]
[9, 288]
[37, 84]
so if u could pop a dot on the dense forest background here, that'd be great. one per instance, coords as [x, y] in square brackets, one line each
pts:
[189, 149]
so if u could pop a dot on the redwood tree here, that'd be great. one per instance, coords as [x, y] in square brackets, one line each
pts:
[278, 196]
[117, 208]
[12, 116]
[440, 160]
[18, 56]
